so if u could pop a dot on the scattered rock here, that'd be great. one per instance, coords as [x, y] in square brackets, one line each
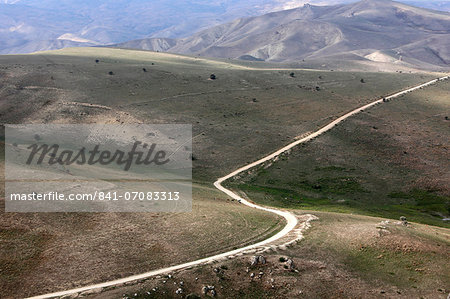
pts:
[252, 275]
[179, 291]
[205, 290]
[290, 264]
[261, 260]
[403, 220]
[254, 260]
[209, 289]
[257, 259]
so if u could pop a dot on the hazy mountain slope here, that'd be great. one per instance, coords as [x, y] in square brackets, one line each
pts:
[27, 24]
[409, 35]
[106, 22]
[443, 5]
[18, 23]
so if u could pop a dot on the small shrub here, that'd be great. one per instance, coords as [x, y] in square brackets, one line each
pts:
[282, 259]
[144, 70]
[111, 73]
[212, 77]
[292, 75]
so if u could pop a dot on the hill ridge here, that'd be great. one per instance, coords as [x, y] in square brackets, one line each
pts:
[324, 32]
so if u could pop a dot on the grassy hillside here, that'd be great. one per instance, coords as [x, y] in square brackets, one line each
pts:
[246, 108]
[244, 114]
[48, 251]
[389, 161]
[342, 256]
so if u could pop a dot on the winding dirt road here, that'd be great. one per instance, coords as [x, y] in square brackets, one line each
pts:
[291, 219]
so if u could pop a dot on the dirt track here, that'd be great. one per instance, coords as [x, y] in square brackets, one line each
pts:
[292, 220]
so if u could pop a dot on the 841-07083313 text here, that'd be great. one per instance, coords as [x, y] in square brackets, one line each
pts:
[100, 196]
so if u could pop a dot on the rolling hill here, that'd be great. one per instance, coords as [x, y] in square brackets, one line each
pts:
[31, 25]
[365, 31]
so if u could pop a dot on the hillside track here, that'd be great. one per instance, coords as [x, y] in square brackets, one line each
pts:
[292, 222]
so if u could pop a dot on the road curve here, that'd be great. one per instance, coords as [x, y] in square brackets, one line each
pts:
[290, 218]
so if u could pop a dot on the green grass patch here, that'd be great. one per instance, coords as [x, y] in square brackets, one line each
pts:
[421, 205]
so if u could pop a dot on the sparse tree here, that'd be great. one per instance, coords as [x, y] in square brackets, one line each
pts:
[144, 70]
[111, 73]
[363, 81]
[97, 61]
[212, 77]
[292, 75]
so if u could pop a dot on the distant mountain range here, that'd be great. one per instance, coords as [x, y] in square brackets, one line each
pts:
[34, 25]
[372, 30]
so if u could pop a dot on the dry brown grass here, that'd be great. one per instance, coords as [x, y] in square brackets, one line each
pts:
[42, 252]
[342, 256]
